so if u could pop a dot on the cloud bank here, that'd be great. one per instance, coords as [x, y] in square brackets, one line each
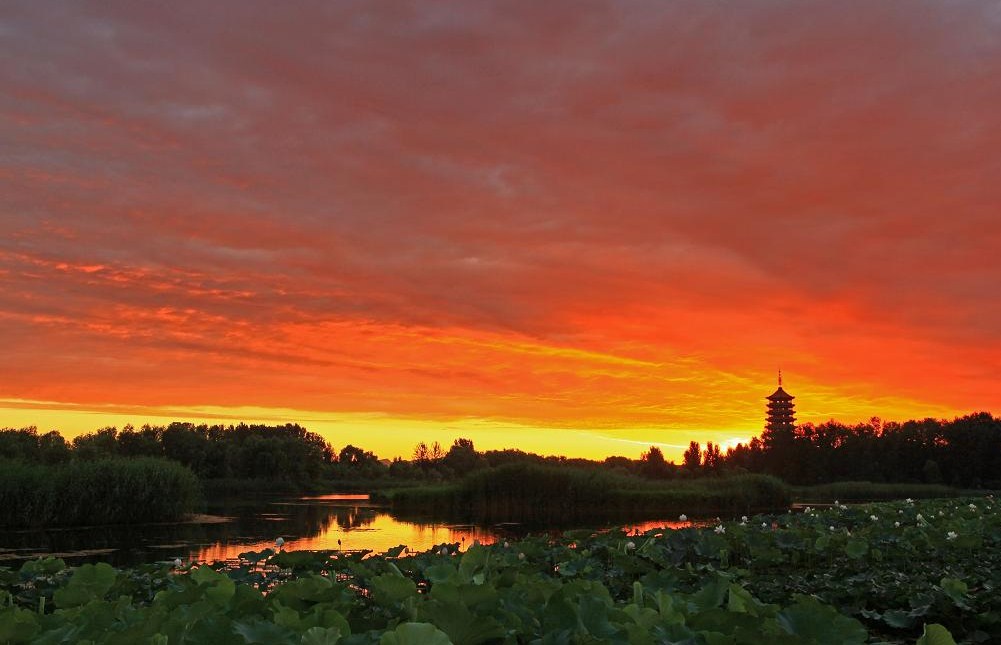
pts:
[601, 214]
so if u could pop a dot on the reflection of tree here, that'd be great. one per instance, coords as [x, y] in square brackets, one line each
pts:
[353, 517]
[310, 520]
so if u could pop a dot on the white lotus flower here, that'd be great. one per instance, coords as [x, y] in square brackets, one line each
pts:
[951, 535]
[630, 545]
[896, 525]
[682, 518]
[720, 529]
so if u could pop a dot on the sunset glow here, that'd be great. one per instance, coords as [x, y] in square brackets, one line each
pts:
[567, 228]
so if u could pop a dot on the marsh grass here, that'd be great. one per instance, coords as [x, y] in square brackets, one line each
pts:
[871, 492]
[542, 493]
[105, 491]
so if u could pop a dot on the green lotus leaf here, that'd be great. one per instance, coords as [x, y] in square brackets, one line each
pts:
[814, 622]
[264, 632]
[391, 588]
[461, 625]
[88, 582]
[415, 634]
[856, 547]
[936, 634]
[18, 625]
[321, 636]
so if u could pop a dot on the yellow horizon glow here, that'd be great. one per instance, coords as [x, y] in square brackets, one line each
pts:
[391, 436]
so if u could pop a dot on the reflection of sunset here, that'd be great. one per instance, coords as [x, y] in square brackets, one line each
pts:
[347, 526]
[643, 527]
[382, 533]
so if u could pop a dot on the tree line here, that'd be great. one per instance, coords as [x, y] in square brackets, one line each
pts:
[277, 453]
[965, 452]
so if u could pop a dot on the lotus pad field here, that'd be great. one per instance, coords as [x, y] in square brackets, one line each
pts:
[925, 572]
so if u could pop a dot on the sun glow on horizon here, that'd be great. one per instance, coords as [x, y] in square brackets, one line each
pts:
[390, 437]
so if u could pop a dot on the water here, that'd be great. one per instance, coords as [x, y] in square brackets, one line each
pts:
[234, 526]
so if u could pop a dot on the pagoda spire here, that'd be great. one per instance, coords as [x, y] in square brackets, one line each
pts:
[781, 411]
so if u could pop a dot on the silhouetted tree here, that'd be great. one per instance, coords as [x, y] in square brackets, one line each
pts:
[53, 449]
[97, 445]
[653, 464]
[693, 456]
[462, 457]
[353, 456]
[711, 458]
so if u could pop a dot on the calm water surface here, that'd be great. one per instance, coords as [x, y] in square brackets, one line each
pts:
[349, 522]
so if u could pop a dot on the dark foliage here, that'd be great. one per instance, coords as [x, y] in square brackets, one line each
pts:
[964, 452]
[286, 453]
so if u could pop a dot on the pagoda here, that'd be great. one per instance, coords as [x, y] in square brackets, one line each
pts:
[780, 411]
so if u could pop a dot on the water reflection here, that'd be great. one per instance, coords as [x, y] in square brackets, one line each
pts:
[643, 527]
[327, 522]
[380, 533]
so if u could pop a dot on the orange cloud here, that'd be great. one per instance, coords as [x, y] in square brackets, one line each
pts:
[584, 228]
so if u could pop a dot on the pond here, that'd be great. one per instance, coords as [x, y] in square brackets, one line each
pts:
[233, 526]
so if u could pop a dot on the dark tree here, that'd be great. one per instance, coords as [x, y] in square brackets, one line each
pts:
[711, 458]
[693, 456]
[653, 464]
[462, 457]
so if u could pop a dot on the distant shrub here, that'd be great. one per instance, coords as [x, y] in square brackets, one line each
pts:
[105, 491]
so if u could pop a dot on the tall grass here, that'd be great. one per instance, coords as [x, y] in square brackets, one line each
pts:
[712, 495]
[871, 492]
[106, 491]
[541, 493]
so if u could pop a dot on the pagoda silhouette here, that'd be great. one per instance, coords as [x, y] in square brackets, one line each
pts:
[780, 411]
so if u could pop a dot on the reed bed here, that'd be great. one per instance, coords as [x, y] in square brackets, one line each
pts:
[541, 493]
[862, 491]
[105, 491]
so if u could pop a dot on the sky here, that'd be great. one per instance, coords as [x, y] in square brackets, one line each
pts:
[576, 228]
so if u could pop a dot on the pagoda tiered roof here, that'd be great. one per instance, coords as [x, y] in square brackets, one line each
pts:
[780, 395]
